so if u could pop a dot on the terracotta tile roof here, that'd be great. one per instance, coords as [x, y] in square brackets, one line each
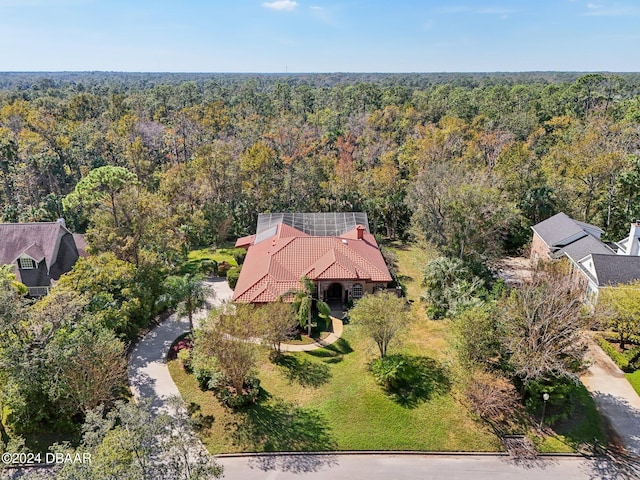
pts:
[275, 265]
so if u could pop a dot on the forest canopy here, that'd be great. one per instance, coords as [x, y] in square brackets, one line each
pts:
[198, 156]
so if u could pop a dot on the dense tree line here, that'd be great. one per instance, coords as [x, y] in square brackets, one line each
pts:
[202, 157]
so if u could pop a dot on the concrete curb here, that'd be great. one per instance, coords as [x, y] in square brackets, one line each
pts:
[400, 452]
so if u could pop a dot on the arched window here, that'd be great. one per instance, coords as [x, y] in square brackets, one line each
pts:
[357, 291]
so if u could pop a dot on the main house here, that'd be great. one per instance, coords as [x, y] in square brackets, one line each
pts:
[335, 250]
[596, 263]
[39, 252]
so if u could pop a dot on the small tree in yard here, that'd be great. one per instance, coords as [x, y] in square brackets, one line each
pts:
[303, 303]
[382, 317]
[228, 337]
[277, 323]
[619, 309]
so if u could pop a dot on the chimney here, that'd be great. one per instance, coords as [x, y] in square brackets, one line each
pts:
[360, 230]
[633, 244]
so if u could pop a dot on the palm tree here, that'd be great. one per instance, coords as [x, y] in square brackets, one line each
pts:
[186, 293]
[303, 303]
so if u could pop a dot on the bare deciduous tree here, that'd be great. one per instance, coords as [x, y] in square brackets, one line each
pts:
[542, 324]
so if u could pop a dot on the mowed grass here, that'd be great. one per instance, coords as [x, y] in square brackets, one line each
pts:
[329, 400]
[194, 257]
[634, 380]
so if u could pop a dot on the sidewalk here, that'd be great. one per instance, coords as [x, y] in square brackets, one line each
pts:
[615, 398]
[333, 337]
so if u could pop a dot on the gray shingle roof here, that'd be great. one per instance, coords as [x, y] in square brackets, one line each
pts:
[615, 269]
[48, 241]
[560, 229]
[31, 238]
[581, 248]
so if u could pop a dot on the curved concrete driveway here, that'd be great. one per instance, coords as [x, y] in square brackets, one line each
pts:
[615, 397]
[149, 376]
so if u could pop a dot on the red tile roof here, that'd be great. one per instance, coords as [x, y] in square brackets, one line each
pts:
[276, 264]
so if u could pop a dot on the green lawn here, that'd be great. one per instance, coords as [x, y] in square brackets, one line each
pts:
[634, 380]
[194, 257]
[327, 400]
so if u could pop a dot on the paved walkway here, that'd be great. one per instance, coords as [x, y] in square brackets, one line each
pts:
[615, 397]
[149, 376]
[333, 337]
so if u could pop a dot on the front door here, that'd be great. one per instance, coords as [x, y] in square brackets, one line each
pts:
[334, 292]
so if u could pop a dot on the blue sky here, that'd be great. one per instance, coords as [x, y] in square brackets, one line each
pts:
[319, 35]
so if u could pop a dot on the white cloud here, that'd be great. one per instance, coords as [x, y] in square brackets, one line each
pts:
[614, 9]
[285, 5]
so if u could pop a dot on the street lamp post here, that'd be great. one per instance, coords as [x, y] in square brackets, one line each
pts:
[545, 397]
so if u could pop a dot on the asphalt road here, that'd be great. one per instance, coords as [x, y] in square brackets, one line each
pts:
[419, 467]
[401, 467]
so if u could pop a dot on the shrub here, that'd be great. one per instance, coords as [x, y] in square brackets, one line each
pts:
[232, 276]
[249, 395]
[492, 397]
[239, 254]
[207, 378]
[223, 268]
[183, 343]
[209, 267]
[616, 356]
[184, 356]
[389, 371]
[563, 398]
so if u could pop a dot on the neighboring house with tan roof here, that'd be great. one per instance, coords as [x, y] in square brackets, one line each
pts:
[39, 252]
[335, 250]
[595, 263]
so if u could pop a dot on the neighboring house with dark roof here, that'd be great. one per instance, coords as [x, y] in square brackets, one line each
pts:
[39, 252]
[610, 270]
[334, 250]
[595, 263]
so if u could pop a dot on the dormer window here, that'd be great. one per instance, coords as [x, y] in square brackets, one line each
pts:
[26, 263]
